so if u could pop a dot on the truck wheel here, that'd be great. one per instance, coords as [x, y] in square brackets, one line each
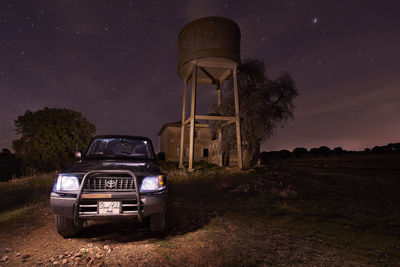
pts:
[66, 227]
[157, 222]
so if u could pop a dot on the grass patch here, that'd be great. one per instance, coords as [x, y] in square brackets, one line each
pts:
[368, 244]
[7, 217]
[165, 244]
[18, 193]
[285, 208]
[198, 165]
[290, 213]
[20, 197]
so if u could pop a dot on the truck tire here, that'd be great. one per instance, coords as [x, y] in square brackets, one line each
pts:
[66, 227]
[157, 222]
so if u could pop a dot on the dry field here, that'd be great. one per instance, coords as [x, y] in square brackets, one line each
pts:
[316, 211]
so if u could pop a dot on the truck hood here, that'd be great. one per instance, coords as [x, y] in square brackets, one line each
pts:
[136, 166]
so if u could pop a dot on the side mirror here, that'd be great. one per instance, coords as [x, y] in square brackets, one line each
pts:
[78, 155]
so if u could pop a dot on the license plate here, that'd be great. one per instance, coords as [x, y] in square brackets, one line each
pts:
[109, 207]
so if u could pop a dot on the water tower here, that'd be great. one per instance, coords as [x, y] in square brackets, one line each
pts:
[209, 53]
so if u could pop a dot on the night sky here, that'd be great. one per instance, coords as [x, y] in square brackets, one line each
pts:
[115, 62]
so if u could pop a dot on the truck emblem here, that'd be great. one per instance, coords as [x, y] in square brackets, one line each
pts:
[110, 183]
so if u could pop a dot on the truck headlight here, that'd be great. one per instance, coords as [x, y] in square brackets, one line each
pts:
[153, 183]
[66, 183]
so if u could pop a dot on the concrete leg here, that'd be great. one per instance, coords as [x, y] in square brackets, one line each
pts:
[237, 118]
[181, 151]
[192, 118]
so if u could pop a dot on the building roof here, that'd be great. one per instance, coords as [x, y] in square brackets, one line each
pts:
[169, 124]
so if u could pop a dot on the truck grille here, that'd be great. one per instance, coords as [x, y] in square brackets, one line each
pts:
[109, 183]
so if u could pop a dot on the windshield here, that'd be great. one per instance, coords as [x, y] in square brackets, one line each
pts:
[120, 148]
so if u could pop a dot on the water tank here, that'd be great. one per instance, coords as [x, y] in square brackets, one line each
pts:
[209, 37]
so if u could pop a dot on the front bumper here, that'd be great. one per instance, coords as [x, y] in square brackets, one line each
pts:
[151, 204]
[84, 205]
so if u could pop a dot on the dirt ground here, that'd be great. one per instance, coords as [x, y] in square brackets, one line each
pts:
[324, 211]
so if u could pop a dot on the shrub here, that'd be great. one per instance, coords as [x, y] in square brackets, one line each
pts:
[299, 151]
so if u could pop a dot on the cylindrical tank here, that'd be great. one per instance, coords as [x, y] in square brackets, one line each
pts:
[209, 37]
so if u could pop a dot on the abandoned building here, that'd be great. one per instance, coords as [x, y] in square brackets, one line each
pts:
[206, 147]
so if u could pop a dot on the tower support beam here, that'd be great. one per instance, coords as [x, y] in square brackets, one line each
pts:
[192, 117]
[182, 148]
[238, 136]
[193, 77]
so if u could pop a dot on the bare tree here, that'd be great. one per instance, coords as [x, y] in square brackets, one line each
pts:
[264, 104]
